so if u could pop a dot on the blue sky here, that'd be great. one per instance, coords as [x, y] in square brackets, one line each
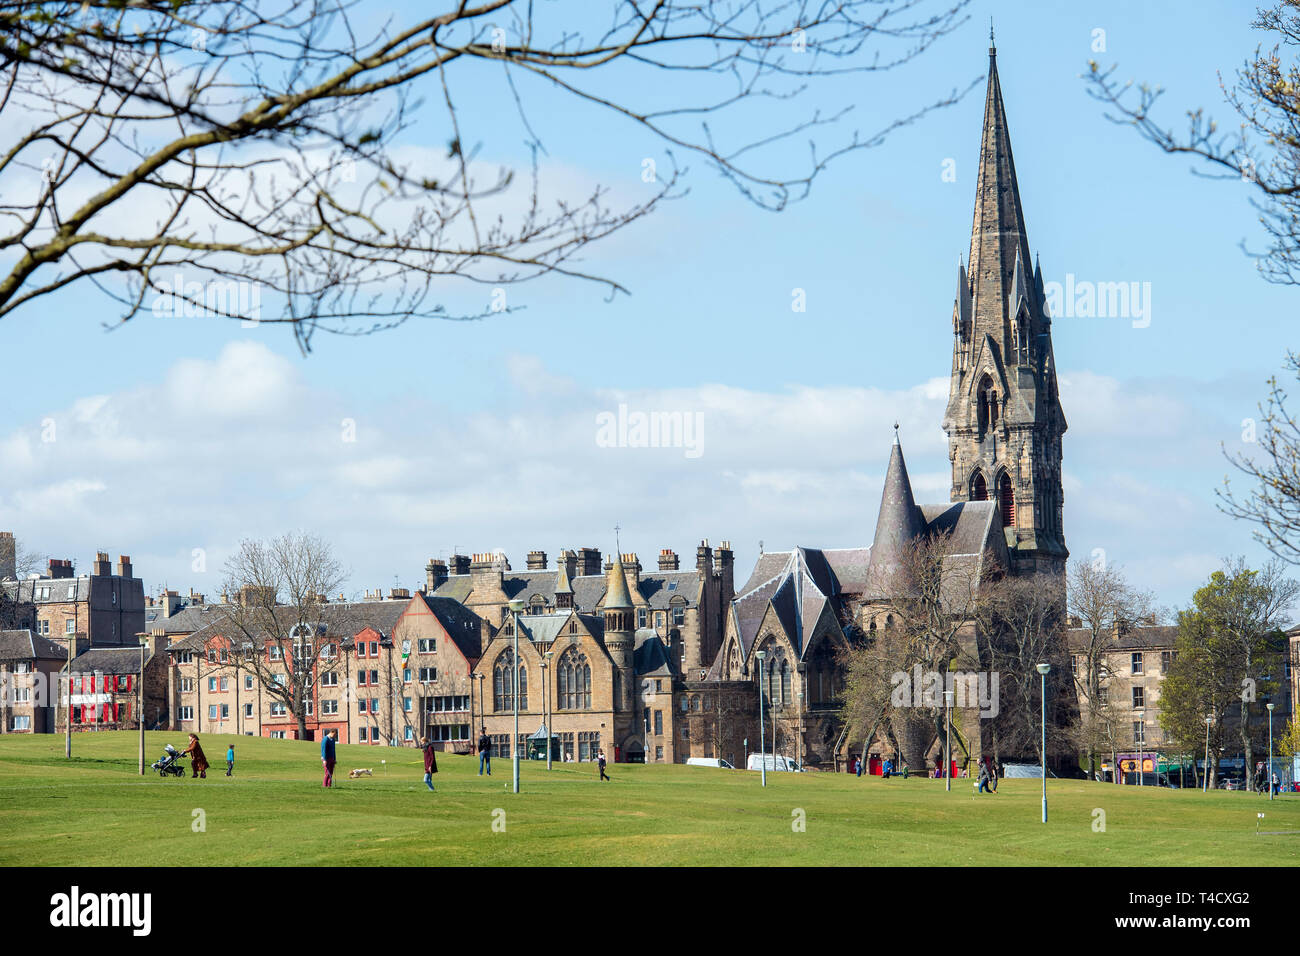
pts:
[180, 436]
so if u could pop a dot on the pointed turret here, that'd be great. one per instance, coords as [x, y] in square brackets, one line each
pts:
[620, 632]
[563, 588]
[897, 527]
[617, 595]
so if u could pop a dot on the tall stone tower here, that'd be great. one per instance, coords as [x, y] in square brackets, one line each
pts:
[1004, 420]
[620, 633]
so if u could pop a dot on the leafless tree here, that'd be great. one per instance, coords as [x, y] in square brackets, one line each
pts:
[278, 621]
[188, 156]
[1261, 147]
[1102, 599]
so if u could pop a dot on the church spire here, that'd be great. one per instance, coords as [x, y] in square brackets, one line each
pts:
[998, 234]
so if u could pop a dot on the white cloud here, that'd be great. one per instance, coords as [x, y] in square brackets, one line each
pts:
[246, 444]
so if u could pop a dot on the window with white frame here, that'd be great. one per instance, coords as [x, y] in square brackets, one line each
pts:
[329, 679]
[225, 683]
[277, 652]
[212, 712]
[329, 707]
[278, 708]
[187, 713]
[20, 722]
[225, 711]
[70, 626]
[212, 683]
[248, 682]
[276, 735]
[362, 734]
[428, 645]
[428, 675]
[248, 711]
[187, 685]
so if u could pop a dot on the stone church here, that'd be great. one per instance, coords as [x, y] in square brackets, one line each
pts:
[1004, 424]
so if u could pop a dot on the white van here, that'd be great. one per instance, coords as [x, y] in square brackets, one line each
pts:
[708, 762]
[773, 762]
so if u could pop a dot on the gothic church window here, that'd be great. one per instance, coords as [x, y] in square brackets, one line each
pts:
[979, 490]
[1006, 500]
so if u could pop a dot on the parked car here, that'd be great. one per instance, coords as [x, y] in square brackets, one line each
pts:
[773, 762]
[708, 762]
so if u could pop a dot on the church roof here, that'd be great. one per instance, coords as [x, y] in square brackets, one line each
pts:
[650, 659]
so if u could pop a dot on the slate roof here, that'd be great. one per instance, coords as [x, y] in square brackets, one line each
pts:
[1146, 638]
[461, 624]
[23, 645]
[651, 658]
[656, 588]
[109, 660]
[381, 615]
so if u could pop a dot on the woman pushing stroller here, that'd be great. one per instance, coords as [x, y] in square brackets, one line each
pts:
[198, 762]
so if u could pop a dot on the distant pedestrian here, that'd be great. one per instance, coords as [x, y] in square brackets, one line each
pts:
[984, 778]
[327, 756]
[484, 753]
[888, 770]
[858, 768]
[230, 760]
[430, 762]
[198, 762]
[993, 776]
[1277, 785]
[600, 759]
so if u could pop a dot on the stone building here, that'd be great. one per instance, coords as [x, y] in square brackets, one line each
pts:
[107, 693]
[29, 673]
[106, 605]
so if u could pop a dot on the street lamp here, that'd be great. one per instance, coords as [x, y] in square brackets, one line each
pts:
[798, 740]
[1268, 781]
[1042, 674]
[947, 739]
[139, 701]
[762, 742]
[515, 607]
[546, 712]
[1205, 780]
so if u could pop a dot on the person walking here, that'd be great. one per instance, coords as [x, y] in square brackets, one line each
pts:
[327, 756]
[198, 762]
[230, 760]
[600, 759]
[888, 770]
[984, 778]
[993, 776]
[430, 762]
[484, 753]
[1277, 785]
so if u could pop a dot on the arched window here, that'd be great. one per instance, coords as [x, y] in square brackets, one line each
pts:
[979, 491]
[889, 622]
[503, 687]
[988, 404]
[574, 674]
[785, 682]
[1006, 500]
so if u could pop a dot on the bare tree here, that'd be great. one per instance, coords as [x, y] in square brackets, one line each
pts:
[1103, 600]
[190, 155]
[920, 611]
[1261, 147]
[1273, 504]
[278, 619]
[1021, 623]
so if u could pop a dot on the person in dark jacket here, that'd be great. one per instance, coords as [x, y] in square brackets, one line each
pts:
[430, 762]
[327, 756]
[601, 760]
[984, 778]
[484, 753]
[230, 760]
[198, 762]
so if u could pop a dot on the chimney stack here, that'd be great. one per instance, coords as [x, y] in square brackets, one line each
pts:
[460, 564]
[536, 560]
[668, 560]
[435, 573]
[103, 567]
[589, 561]
[8, 555]
[570, 561]
[704, 558]
[124, 565]
[399, 594]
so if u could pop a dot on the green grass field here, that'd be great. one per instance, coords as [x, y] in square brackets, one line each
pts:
[96, 810]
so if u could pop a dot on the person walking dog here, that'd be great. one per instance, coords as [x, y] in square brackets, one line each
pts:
[430, 762]
[198, 761]
[484, 753]
[327, 756]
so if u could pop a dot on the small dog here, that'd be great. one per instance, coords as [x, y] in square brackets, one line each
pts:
[357, 773]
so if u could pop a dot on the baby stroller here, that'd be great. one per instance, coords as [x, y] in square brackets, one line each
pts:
[169, 764]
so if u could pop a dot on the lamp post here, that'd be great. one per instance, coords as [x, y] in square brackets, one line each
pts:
[546, 708]
[515, 607]
[139, 701]
[67, 740]
[947, 739]
[1042, 674]
[798, 740]
[762, 742]
[1140, 739]
[1205, 779]
[1268, 781]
